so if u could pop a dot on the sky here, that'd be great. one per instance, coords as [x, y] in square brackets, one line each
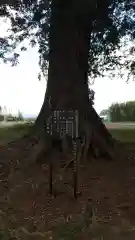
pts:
[21, 90]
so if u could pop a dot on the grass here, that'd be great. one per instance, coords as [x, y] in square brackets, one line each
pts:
[11, 133]
[125, 135]
[77, 230]
[4, 236]
[8, 134]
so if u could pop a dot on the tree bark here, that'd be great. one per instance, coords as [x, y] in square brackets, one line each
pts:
[68, 71]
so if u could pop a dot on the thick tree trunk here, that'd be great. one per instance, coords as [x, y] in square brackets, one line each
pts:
[68, 68]
[67, 87]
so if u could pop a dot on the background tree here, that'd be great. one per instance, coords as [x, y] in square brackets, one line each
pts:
[92, 32]
[122, 112]
[91, 96]
[20, 116]
[1, 116]
[104, 112]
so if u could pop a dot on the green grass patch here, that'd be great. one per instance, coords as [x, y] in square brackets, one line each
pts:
[8, 134]
[125, 135]
[68, 231]
[4, 236]
[76, 231]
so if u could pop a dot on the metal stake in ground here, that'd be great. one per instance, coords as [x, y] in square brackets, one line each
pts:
[62, 124]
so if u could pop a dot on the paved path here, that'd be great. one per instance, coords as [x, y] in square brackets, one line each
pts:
[10, 124]
[117, 125]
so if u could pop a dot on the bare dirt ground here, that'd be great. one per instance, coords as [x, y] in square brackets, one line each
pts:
[105, 207]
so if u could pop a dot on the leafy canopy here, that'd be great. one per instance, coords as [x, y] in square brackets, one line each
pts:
[113, 23]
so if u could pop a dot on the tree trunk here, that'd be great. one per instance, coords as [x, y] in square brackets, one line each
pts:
[67, 88]
[68, 68]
